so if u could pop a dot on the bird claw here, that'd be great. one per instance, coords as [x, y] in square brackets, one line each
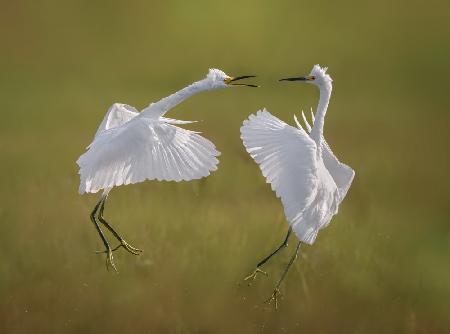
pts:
[274, 298]
[109, 259]
[131, 249]
[253, 275]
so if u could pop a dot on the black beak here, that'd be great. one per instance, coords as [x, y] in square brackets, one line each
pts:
[294, 79]
[240, 78]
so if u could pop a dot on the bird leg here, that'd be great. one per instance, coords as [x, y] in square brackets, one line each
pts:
[252, 276]
[276, 292]
[123, 243]
[109, 256]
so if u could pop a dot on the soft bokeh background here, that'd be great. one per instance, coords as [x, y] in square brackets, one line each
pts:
[382, 266]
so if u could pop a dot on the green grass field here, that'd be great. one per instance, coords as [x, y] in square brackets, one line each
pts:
[382, 266]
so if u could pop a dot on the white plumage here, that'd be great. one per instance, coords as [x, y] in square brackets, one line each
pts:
[131, 147]
[341, 173]
[301, 168]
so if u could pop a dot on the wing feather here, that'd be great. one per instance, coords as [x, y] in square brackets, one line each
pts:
[116, 115]
[341, 173]
[144, 149]
[286, 157]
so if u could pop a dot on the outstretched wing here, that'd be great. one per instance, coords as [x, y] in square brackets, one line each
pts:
[341, 173]
[117, 115]
[287, 158]
[143, 149]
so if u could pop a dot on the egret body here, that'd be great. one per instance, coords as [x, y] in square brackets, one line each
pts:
[301, 168]
[131, 147]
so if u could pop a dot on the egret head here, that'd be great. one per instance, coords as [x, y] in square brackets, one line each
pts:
[219, 79]
[318, 77]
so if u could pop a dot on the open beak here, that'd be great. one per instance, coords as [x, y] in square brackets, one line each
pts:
[231, 81]
[308, 78]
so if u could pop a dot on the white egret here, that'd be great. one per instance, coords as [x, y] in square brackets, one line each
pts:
[131, 147]
[300, 167]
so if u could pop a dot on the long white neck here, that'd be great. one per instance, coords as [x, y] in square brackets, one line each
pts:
[158, 109]
[324, 99]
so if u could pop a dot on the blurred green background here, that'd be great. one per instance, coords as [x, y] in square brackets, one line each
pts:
[382, 266]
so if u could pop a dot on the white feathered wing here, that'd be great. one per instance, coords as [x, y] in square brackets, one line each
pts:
[129, 149]
[116, 115]
[288, 159]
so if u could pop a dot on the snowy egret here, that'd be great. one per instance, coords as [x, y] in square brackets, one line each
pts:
[300, 167]
[131, 147]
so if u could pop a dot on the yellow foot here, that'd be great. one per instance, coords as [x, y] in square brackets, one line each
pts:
[109, 253]
[274, 297]
[109, 259]
[128, 248]
[253, 275]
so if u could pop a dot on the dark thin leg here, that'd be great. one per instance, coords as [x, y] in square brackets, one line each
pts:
[109, 257]
[123, 243]
[283, 244]
[252, 276]
[99, 230]
[276, 292]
